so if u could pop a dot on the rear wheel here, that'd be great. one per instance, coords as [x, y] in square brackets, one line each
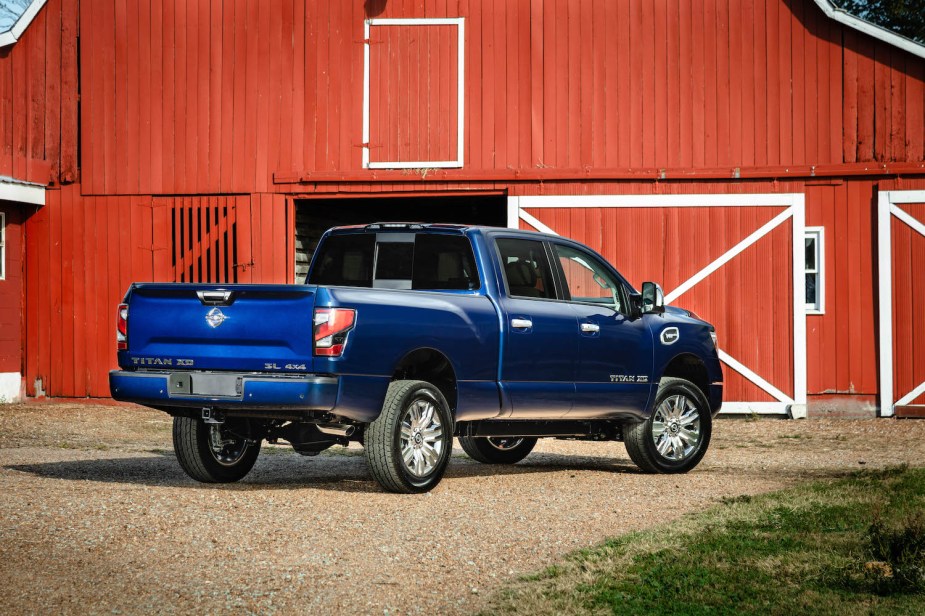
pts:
[675, 437]
[214, 453]
[408, 447]
[497, 449]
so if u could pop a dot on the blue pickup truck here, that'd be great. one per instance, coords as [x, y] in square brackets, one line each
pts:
[406, 335]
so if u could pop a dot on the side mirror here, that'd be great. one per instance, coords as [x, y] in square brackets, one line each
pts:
[653, 298]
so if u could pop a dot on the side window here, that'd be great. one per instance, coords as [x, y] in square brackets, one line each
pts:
[526, 269]
[444, 262]
[815, 270]
[587, 279]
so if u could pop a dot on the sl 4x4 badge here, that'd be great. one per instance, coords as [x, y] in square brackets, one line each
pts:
[670, 335]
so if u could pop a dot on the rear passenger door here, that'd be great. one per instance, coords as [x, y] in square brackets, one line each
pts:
[540, 352]
[614, 370]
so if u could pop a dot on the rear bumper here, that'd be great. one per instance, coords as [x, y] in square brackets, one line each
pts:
[247, 391]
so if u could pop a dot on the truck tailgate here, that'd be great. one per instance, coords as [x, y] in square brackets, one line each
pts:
[229, 327]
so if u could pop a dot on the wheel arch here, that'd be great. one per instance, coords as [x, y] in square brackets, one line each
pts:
[691, 368]
[433, 366]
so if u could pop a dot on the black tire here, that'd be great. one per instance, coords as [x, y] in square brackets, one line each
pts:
[396, 435]
[497, 450]
[665, 442]
[210, 462]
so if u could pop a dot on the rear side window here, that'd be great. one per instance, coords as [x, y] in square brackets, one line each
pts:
[397, 261]
[526, 269]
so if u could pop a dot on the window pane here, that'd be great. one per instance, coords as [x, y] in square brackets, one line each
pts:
[394, 260]
[444, 262]
[345, 260]
[526, 268]
[811, 253]
[587, 279]
[811, 292]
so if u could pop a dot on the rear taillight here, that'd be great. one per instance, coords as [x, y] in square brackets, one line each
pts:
[122, 328]
[331, 328]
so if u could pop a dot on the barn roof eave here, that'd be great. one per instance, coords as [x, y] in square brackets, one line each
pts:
[20, 191]
[12, 35]
[887, 36]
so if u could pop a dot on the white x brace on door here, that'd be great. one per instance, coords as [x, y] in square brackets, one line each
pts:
[794, 210]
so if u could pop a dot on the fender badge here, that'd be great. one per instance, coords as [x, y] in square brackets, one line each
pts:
[215, 317]
[670, 335]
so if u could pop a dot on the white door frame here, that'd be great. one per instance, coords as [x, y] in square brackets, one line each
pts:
[888, 206]
[460, 23]
[794, 205]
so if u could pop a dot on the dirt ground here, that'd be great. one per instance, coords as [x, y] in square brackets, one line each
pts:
[96, 515]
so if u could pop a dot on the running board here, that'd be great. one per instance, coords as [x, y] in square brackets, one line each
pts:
[535, 428]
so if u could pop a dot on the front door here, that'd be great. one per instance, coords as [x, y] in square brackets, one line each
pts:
[614, 373]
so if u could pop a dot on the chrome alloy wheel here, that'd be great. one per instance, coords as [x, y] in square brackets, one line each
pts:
[226, 448]
[421, 437]
[676, 427]
[504, 443]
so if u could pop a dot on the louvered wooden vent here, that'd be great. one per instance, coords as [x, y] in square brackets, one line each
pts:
[205, 240]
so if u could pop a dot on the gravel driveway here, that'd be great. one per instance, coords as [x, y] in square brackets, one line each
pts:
[96, 515]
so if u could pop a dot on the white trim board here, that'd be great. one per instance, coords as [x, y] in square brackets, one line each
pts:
[13, 34]
[3, 245]
[22, 192]
[460, 23]
[888, 207]
[10, 386]
[794, 204]
[887, 36]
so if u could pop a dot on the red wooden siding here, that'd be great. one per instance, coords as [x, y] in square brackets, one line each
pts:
[11, 290]
[38, 98]
[413, 93]
[211, 97]
[908, 299]
[197, 117]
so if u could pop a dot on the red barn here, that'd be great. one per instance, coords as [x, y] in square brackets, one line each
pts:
[763, 159]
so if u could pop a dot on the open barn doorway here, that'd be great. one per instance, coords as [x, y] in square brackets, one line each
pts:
[315, 216]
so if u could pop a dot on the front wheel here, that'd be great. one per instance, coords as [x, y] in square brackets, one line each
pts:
[675, 437]
[408, 447]
[497, 449]
[214, 453]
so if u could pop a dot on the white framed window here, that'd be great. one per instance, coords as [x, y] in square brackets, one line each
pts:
[2, 246]
[814, 269]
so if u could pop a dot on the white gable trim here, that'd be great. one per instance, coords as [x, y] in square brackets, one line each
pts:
[870, 29]
[12, 35]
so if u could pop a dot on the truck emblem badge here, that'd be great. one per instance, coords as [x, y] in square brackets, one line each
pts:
[215, 317]
[670, 335]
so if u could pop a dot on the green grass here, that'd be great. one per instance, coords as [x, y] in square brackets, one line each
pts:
[813, 549]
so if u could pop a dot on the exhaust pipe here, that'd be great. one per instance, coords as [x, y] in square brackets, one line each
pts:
[343, 430]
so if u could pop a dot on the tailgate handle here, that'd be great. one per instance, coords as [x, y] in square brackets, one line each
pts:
[215, 298]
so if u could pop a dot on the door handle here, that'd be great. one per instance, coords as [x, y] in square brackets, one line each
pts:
[521, 323]
[590, 328]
